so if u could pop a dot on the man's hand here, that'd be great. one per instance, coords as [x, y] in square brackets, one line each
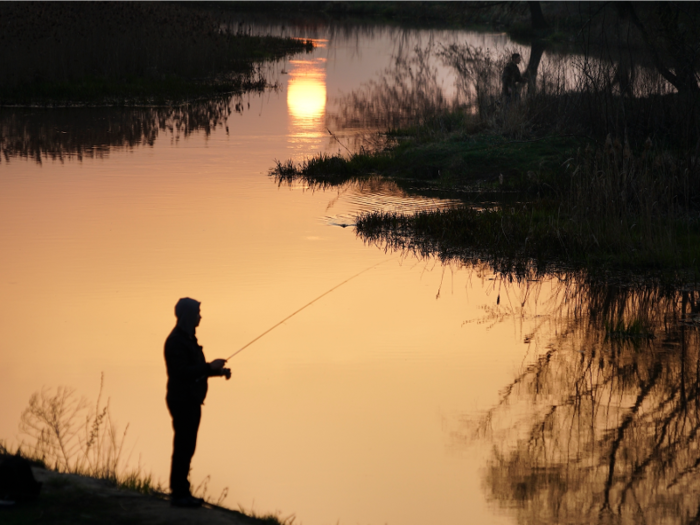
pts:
[217, 365]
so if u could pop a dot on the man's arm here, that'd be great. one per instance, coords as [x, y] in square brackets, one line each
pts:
[178, 366]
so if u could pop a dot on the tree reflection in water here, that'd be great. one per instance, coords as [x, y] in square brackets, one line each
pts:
[61, 133]
[607, 414]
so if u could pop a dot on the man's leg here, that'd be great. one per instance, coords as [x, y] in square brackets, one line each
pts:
[185, 425]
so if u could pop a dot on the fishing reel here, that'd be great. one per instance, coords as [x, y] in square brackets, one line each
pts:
[226, 372]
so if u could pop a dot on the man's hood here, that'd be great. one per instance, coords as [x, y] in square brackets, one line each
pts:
[186, 311]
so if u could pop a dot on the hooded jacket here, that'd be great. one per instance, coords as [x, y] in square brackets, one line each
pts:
[187, 368]
[511, 76]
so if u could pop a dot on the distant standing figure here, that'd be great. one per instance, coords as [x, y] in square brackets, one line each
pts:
[187, 387]
[511, 76]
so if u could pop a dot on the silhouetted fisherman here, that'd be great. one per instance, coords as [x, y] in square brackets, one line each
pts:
[187, 387]
[510, 77]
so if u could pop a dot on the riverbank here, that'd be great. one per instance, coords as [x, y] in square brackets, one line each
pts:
[74, 450]
[75, 499]
[128, 54]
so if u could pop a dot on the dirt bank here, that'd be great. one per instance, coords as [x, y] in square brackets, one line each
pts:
[69, 498]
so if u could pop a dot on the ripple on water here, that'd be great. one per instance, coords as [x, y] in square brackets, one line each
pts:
[379, 196]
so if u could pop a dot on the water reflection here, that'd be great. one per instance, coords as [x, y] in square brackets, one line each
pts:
[602, 426]
[376, 194]
[307, 94]
[61, 133]
[306, 100]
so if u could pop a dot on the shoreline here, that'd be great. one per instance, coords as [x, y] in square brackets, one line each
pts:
[78, 499]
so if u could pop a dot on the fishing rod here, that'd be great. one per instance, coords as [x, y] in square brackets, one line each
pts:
[304, 307]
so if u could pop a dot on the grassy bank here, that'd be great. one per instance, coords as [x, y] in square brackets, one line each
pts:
[127, 53]
[456, 159]
[78, 499]
[584, 175]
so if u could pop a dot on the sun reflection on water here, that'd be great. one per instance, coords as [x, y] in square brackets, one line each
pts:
[306, 101]
[306, 96]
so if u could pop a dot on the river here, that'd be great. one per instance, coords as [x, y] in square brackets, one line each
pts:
[360, 409]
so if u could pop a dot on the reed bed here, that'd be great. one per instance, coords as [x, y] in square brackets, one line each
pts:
[111, 52]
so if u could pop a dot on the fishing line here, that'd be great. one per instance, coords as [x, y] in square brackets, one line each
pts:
[305, 306]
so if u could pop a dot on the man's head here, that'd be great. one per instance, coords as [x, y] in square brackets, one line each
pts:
[516, 58]
[187, 313]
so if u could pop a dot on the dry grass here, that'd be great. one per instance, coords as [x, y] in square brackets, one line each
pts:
[68, 434]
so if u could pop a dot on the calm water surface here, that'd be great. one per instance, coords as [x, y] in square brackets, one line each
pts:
[360, 410]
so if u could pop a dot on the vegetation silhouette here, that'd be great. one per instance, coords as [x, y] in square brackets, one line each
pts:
[596, 166]
[63, 133]
[600, 425]
[126, 53]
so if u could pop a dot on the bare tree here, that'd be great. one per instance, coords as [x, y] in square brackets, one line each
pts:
[671, 34]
